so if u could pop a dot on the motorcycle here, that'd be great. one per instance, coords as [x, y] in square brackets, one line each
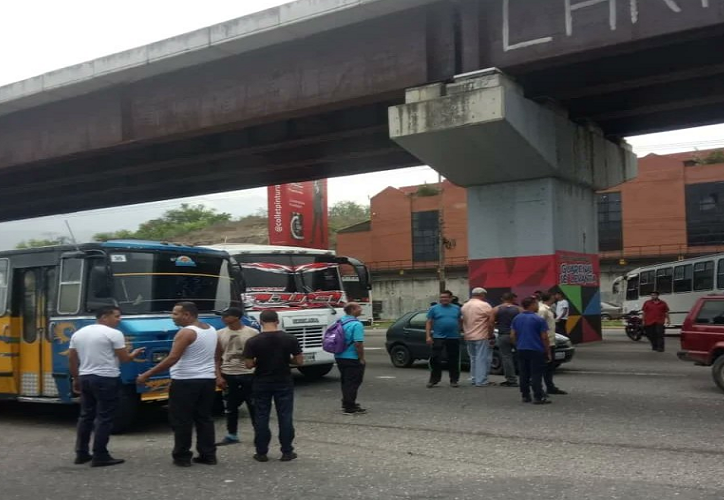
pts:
[634, 325]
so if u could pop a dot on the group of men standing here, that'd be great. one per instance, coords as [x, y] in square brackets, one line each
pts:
[251, 367]
[527, 331]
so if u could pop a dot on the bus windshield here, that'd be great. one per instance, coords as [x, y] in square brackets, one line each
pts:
[153, 282]
[289, 273]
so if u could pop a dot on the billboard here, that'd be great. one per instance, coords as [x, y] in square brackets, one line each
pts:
[298, 214]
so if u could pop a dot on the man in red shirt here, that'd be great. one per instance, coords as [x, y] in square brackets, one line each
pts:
[656, 315]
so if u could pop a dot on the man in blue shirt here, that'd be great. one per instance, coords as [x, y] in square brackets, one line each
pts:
[442, 332]
[351, 361]
[529, 332]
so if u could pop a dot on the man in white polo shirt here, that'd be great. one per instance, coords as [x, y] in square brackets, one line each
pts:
[94, 356]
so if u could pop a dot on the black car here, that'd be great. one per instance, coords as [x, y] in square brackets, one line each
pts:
[406, 344]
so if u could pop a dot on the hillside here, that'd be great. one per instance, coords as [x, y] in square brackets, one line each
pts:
[252, 229]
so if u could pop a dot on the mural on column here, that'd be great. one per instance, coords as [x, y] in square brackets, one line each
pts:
[576, 275]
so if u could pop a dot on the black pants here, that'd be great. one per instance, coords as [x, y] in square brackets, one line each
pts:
[238, 391]
[561, 327]
[452, 349]
[99, 398]
[282, 393]
[655, 333]
[549, 370]
[352, 374]
[532, 365]
[190, 404]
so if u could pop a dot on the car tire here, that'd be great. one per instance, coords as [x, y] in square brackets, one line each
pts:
[401, 356]
[606, 317]
[128, 404]
[717, 372]
[496, 365]
[315, 372]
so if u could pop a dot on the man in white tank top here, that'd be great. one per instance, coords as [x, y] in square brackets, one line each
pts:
[194, 363]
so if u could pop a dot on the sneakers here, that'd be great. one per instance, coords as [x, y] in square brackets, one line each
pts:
[106, 462]
[182, 463]
[486, 384]
[229, 439]
[204, 460]
[261, 458]
[82, 459]
[509, 384]
[543, 401]
[454, 384]
[526, 399]
[430, 385]
[354, 411]
[288, 457]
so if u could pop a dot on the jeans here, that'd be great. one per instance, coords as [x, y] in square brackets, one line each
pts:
[238, 391]
[549, 369]
[283, 395]
[191, 404]
[99, 398]
[481, 356]
[452, 348]
[352, 374]
[505, 346]
[655, 333]
[532, 366]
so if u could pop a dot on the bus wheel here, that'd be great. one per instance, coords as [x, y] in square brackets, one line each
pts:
[128, 404]
[717, 371]
[315, 372]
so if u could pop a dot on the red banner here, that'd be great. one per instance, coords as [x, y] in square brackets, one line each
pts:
[298, 214]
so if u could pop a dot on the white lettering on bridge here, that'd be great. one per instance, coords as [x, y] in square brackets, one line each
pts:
[570, 7]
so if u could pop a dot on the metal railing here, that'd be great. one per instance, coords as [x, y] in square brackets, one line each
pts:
[671, 250]
[410, 265]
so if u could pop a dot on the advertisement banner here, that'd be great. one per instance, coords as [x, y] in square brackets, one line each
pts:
[298, 214]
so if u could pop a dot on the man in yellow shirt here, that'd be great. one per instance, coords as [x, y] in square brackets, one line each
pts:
[545, 312]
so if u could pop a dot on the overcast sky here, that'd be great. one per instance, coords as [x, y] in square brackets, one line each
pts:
[37, 36]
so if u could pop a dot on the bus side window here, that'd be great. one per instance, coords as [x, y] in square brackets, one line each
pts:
[720, 275]
[646, 285]
[69, 289]
[664, 280]
[4, 285]
[632, 288]
[703, 276]
[682, 278]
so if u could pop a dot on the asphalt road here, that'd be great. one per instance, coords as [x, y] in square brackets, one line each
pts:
[636, 425]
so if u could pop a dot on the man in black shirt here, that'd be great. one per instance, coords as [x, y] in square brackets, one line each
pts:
[270, 353]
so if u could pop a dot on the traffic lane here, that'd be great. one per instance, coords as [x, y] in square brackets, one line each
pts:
[640, 399]
[415, 443]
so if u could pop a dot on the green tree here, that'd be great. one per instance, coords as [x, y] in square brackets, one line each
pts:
[44, 242]
[347, 213]
[173, 223]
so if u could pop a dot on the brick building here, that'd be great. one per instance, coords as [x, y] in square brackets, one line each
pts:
[673, 209]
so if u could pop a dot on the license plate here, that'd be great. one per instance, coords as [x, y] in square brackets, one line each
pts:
[560, 355]
[309, 357]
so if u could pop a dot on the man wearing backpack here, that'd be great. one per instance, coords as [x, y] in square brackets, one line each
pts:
[351, 361]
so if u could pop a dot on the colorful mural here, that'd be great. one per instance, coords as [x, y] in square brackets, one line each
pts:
[575, 275]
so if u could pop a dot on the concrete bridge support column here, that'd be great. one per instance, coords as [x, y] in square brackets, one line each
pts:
[531, 176]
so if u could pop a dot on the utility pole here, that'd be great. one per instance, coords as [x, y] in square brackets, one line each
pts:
[441, 237]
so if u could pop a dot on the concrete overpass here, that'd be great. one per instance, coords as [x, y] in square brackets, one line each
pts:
[302, 91]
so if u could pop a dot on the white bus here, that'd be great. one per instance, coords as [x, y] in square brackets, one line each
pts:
[680, 284]
[304, 286]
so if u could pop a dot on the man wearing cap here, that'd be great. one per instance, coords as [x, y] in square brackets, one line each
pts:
[238, 377]
[478, 333]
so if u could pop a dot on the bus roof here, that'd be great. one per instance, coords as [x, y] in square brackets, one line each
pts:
[244, 248]
[691, 260]
[118, 244]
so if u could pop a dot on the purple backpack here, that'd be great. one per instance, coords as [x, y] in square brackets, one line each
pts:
[334, 339]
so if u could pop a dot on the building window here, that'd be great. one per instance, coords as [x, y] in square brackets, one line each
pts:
[610, 231]
[425, 235]
[703, 276]
[705, 213]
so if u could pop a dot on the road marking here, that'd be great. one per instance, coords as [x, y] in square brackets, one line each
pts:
[637, 374]
[385, 376]
[373, 348]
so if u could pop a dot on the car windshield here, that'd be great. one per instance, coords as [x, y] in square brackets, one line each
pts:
[153, 282]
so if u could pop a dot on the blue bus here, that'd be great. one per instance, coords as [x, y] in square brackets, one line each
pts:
[48, 293]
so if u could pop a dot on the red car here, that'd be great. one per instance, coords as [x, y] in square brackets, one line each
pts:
[702, 336]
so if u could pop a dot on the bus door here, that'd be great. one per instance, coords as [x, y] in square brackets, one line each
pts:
[9, 338]
[33, 293]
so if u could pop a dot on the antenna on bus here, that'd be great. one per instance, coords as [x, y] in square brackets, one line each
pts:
[72, 236]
